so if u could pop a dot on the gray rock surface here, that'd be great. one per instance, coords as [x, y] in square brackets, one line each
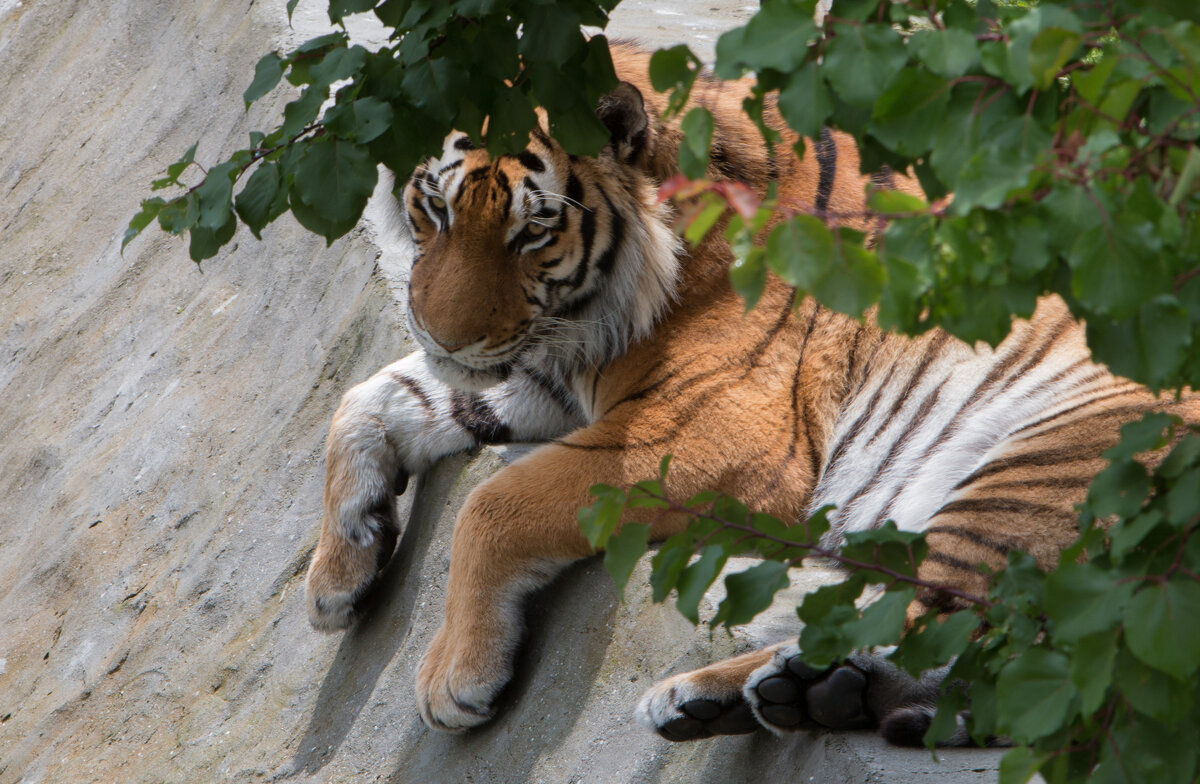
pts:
[161, 435]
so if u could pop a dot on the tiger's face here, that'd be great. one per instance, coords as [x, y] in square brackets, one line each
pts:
[510, 248]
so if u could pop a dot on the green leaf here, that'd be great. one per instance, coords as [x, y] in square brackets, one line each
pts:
[1117, 268]
[748, 274]
[343, 8]
[750, 592]
[302, 111]
[263, 199]
[267, 74]
[551, 34]
[334, 178]
[623, 553]
[668, 564]
[696, 579]
[882, 621]
[1129, 533]
[215, 195]
[1150, 432]
[1150, 691]
[179, 215]
[1018, 765]
[697, 129]
[175, 169]
[1118, 490]
[1161, 628]
[1035, 694]
[800, 251]
[936, 642]
[674, 69]
[861, 60]
[806, 103]
[206, 242]
[150, 209]
[1049, 52]
[949, 53]
[435, 86]
[509, 124]
[291, 6]
[339, 63]
[1082, 599]
[361, 121]
[599, 520]
[1092, 668]
[909, 113]
[776, 37]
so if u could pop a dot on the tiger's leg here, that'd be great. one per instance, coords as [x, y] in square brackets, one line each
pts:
[398, 423]
[513, 534]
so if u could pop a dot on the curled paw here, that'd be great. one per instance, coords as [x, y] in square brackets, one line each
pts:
[787, 694]
[685, 708]
[458, 684]
[341, 576]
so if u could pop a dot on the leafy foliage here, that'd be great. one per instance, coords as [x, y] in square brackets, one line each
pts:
[1093, 667]
[447, 66]
[1066, 132]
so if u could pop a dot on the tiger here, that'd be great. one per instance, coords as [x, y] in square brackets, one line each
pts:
[553, 301]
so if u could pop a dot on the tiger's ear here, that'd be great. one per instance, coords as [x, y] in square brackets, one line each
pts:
[624, 114]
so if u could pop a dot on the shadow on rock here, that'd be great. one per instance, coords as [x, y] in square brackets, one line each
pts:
[570, 629]
[367, 647]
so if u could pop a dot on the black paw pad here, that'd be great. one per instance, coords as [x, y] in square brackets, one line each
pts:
[837, 701]
[796, 666]
[683, 728]
[738, 720]
[779, 690]
[705, 710]
[782, 715]
[906, 726]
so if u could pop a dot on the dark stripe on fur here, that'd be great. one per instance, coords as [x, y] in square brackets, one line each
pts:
[924, 408]
[1124, 412]
[450, 167]
[975, 537]
[1043, 457]
[477, 418]
[937, 556]
[932, 352]
[616, 221]
[1000, 506]
[415, 390]
[826, 150]
[531, 161]
[852, 434]
[555, 390]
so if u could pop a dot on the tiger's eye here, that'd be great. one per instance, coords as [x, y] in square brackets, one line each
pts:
[438, 202]
[535, 229]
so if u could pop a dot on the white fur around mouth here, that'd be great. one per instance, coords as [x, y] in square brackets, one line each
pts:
[459, 376]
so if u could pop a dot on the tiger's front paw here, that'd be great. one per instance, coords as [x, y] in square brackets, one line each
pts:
[787, 694]
[340, 578]
[458, 682]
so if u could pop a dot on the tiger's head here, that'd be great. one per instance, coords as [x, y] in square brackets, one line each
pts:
[539, 257]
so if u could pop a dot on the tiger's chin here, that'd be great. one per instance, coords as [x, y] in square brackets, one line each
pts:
[469, 379]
